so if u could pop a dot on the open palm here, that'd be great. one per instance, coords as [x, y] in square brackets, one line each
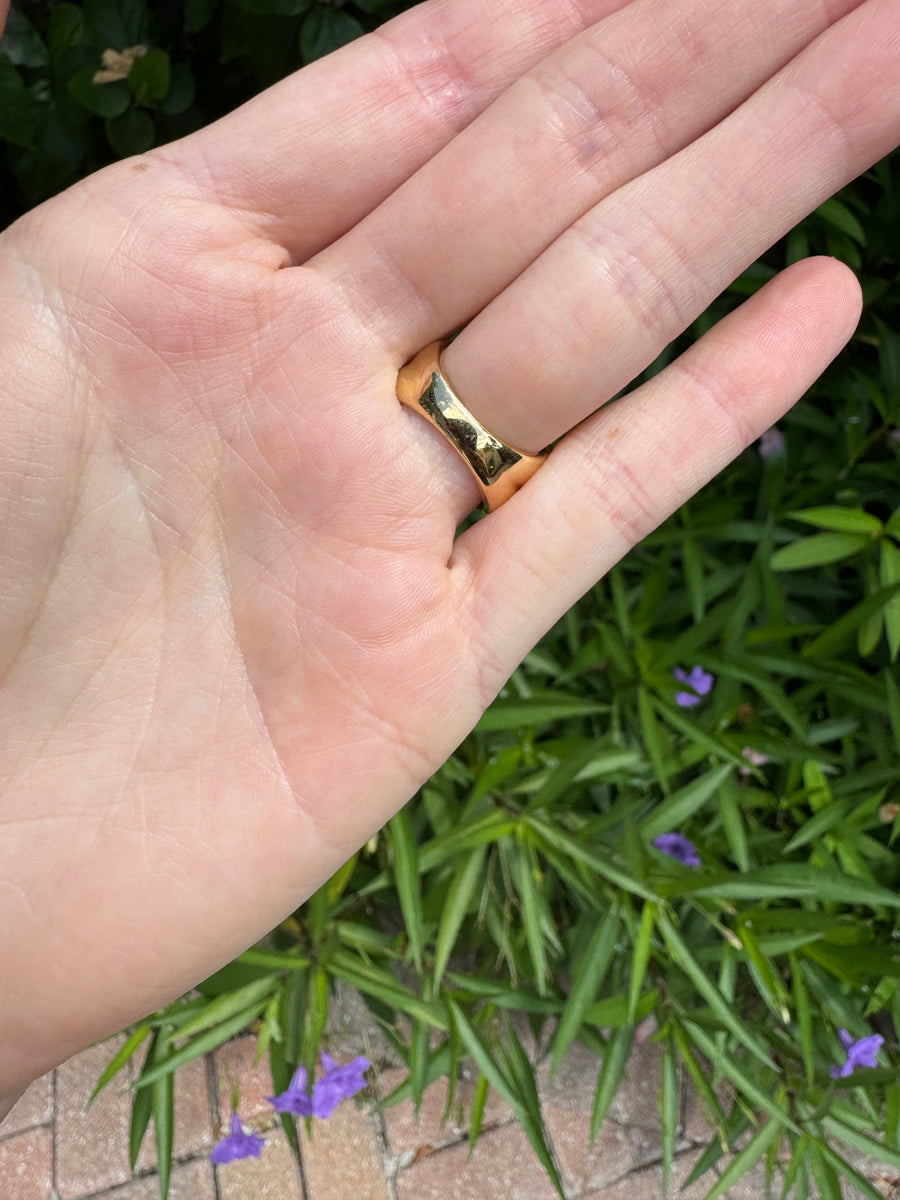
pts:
[237, 628]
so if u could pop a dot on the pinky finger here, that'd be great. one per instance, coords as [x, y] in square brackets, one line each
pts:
[624, 470]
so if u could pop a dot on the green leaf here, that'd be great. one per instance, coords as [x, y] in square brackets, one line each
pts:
[693, 577]
[101, 99]
[524, 872]
[21, 43]
[669, 1112]
[588, 974]
[846, 626]
[794, 881]
[502, 1081]
[281, 8]
[594, 859]
[746, 1160]
[15, 106]
[142, 1102]
[117, 24]
[768, 982]
[132, 133]
[892, 1115]
[733, 825]
[880, 1151]
[150, 76]
[818, 550]
[889, 575]
[618, 1048]
[198, 14]
[840, 520]
[539, 709]
[836, 213]
[380, 984]
[182, 89]
[226, 1005]
[612, 1012]
[406, 878]
[163, 1093]
[727, 1017]
[203, 1044]
[652, 737]
[325, 30]
[279, 960]
[640, 958]
[682, 805]
[893, 699]
[456, 905]
[729, 1067]
[804, 1018]
[824, 820]
[119, 1059]
[709, 1101]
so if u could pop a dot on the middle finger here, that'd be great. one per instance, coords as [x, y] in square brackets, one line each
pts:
[614, 102]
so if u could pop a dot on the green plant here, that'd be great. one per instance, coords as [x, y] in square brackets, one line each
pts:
[523, 881]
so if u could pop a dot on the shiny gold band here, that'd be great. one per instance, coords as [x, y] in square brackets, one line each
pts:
[499, 469]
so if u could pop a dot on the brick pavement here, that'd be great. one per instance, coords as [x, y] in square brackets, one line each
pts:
[52, 1147]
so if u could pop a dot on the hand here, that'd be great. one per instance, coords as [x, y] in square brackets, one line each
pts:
[237, 630]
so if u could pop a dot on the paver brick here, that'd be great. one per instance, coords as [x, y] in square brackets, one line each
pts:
[26, 1165]
[406, 1136]
[189, 1181]
[647, 1184]
[342, 1159]
[194, 1127]
[91, 1143]
[504, 1167]
[275, 1175]
[35, 1107]
[587, 1165]
[235, 1069]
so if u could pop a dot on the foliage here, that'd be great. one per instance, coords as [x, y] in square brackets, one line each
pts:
[523, 880]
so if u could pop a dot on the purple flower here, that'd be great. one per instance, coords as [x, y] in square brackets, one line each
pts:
[238, 1144]
[677, 846]
[337, 1084]
[698, 680]
[859, 1054]
[771, 443]
[296, 1099]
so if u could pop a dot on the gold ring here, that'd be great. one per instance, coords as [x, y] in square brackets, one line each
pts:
[499, 469]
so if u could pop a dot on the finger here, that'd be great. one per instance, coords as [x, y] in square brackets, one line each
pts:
[309, 157]
[609, 105]
[615, 478]
[603, 301]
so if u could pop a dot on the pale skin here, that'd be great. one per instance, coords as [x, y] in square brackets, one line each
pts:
[237, 631]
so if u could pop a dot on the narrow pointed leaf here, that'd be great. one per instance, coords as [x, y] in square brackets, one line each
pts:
[726, 1015]
[746, 1160]
[750, 1088]
[640, 959]
[163, 1092]
[228, 1004]
[587, 980]
[459, 897]
[681, 805]
[669, 1112]
[615, 1061]
[506, 1086]
[118, 1061]
[203, 1044]
[406, 877]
